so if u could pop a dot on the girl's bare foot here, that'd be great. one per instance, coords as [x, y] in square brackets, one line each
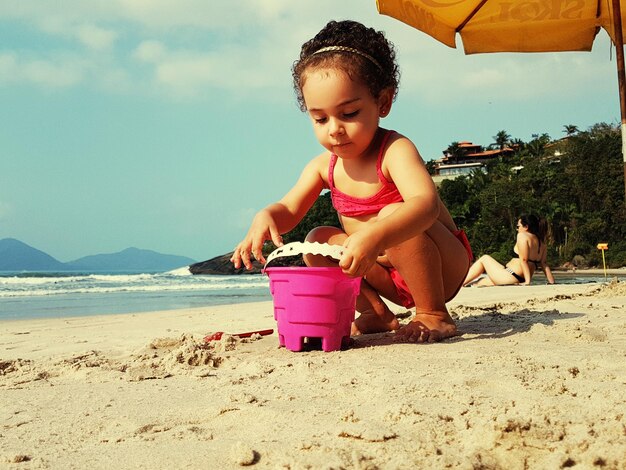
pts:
[370, 322]
[427, 327]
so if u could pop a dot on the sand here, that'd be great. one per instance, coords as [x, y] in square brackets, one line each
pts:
[536, 379]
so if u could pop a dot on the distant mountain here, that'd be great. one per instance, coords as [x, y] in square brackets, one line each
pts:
[18, 256]
[131, 259]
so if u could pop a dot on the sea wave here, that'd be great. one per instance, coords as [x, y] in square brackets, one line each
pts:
[184, 271]
[37, 286]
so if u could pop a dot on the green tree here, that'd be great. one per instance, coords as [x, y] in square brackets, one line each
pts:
[455, 151]
[322, 213]
[570, 129]
[431, 167]
[536, 147]
[501, 139]
[580, 194]
[518, 145]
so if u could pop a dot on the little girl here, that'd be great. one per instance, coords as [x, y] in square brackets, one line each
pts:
[397, 233]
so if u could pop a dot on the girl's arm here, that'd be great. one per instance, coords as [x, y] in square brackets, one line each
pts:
[524, 249]
[421, 201]
[419, 211]
[280, 217]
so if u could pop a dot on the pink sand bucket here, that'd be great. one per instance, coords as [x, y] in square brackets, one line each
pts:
[312, 302]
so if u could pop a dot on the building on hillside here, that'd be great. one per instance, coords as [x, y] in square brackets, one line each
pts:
[468, 158]
[556, 149]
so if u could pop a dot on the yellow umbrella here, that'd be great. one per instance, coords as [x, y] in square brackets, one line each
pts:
[518, 26]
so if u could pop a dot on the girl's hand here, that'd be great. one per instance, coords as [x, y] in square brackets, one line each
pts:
[362, 251]
[251, 247]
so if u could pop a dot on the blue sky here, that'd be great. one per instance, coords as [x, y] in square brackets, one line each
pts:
[166, 125]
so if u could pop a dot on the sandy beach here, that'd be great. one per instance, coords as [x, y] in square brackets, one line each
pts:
[536, 379]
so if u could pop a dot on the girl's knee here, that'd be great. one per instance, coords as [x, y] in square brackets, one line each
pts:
[326, 234]
[323, 234]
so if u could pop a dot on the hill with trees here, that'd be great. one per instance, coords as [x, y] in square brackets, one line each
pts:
[575, 183]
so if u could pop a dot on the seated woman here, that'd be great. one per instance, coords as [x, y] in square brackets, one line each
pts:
[530, 254]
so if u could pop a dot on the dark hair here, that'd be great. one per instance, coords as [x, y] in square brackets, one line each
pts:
[378, 75]
[536, 226]
[542, 233]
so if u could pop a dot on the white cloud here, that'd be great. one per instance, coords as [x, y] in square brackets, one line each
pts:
[187, 73]
[95, 37]
[194, 45]
[8, 65]
[191, 47]
[86, 33]
[55, 73]
[115, 80]
[436, 74]
[149, 51]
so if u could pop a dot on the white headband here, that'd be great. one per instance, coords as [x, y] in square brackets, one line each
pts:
[348, 49]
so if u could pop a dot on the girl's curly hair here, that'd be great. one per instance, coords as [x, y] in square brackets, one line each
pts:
[378, 75]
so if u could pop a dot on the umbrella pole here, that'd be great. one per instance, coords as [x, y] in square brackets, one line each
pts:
[621, 81]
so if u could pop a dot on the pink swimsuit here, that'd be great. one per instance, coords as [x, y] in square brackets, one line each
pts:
[351, 206]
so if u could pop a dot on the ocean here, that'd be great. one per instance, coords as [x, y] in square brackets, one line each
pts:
[56, 295]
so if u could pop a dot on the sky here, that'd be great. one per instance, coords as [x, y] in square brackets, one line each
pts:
[166, 125]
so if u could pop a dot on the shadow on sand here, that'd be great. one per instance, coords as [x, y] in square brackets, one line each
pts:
[493, 324]
[490, 324]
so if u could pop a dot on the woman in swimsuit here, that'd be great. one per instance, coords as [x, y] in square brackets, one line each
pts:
[529, 254]
[397, 234]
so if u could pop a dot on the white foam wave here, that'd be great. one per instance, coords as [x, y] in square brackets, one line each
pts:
[184, 271]
[103, 283]
[42, 280]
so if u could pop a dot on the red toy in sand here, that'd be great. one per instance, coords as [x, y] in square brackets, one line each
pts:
[218, 335]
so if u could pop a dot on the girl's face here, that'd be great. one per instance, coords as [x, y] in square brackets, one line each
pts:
[344, 114]
[521, 227]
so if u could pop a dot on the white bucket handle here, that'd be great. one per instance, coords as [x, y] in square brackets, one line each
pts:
[310, 248]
